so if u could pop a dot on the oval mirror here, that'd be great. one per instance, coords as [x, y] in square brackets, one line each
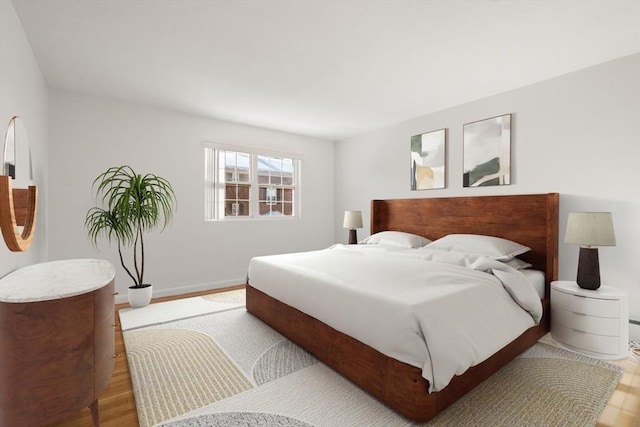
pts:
[18, 204]
[16, 159]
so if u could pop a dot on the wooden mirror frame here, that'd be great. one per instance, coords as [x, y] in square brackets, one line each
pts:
[18, 207]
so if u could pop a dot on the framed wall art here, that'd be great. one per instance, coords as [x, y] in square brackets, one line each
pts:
[428, 160]
[487, 152]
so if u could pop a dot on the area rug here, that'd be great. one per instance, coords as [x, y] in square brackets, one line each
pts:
[205, 361]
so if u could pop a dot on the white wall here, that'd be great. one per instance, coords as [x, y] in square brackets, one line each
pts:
[578, 135]
[23, 92]
[88, 135]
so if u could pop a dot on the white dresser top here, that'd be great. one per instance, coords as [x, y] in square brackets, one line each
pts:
[55, 280]
[603, 292]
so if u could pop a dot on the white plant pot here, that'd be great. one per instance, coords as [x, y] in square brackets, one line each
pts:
[140, 297]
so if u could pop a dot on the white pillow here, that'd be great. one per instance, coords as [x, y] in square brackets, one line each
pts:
[489, 246]
[397, 238]
[517, 263]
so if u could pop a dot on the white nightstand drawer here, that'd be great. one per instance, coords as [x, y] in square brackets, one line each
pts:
[582, 322]
[591, 306]
[585, 341]
[593, 322]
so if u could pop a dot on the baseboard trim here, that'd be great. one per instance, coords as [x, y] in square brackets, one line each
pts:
[181, 290]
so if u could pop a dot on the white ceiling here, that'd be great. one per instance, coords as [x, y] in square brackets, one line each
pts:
[329, 69]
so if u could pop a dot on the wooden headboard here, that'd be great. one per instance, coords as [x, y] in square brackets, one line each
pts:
[530, 219]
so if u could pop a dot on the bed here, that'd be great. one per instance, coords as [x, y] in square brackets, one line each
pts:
[531, 220]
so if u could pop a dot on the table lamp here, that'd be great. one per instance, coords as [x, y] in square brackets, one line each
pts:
[589, 230]
[352, 220]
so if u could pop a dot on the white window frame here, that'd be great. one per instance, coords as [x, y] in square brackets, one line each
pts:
[215, 183]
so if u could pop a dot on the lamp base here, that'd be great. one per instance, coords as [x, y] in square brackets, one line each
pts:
[588, 269]
[353, 236]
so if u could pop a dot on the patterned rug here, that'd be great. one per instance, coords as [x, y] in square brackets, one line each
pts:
[207, 362]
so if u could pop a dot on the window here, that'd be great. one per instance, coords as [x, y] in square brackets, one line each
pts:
[237, 183]
[243, 183]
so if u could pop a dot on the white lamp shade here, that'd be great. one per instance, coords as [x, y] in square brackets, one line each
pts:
[352, 219]
[590, 229]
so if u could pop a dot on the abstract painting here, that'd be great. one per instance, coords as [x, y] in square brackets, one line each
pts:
[487, 152]
[428, 160]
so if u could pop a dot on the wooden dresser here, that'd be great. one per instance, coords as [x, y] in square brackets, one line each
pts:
[56, 340]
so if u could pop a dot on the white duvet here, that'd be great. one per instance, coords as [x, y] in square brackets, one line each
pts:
[439, 311]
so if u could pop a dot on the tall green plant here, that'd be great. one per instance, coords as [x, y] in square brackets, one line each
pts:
[131, 205]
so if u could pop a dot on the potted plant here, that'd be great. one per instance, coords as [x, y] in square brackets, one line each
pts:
[130, 206]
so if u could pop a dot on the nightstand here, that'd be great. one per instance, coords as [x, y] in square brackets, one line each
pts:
[592, 322]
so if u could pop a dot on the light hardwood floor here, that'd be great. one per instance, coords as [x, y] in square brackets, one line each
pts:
[118, 408]
[623, 409]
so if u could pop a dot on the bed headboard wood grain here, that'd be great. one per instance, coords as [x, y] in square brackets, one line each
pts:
[530, 219]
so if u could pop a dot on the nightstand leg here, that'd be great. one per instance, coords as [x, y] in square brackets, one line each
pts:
[95, 416]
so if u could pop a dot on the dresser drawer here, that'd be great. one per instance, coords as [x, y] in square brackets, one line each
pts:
[104, 302]
[581, 322]
[591, 306]
[585, 341]
[103, 373]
